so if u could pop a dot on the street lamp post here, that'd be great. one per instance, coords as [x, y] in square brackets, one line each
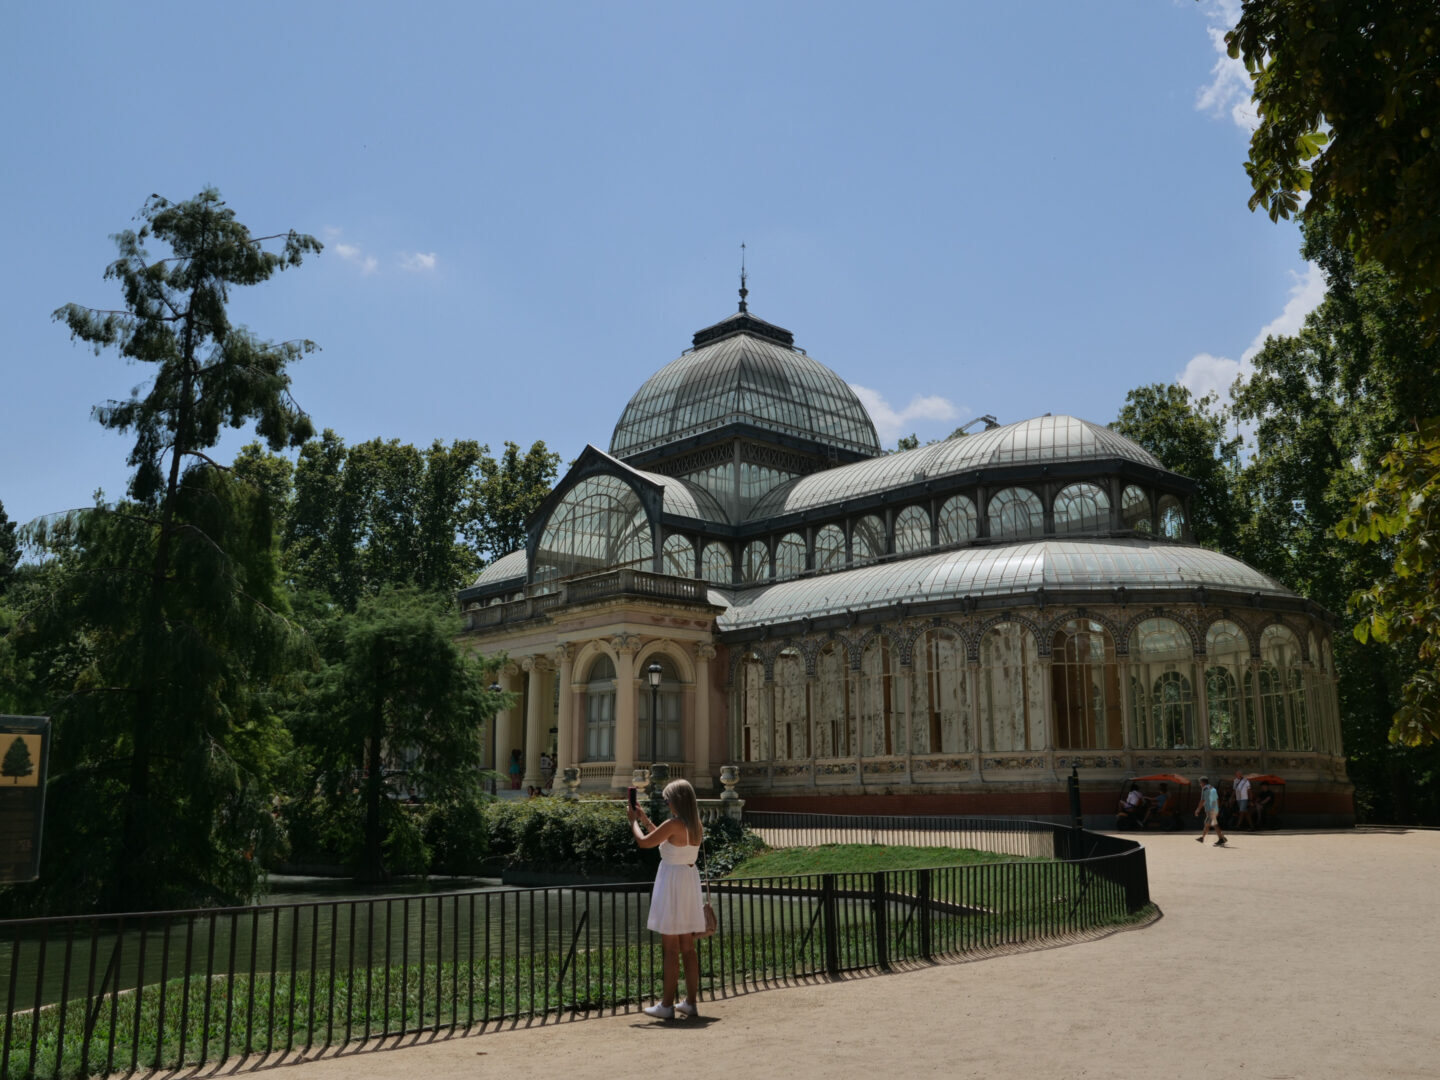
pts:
[653, 673]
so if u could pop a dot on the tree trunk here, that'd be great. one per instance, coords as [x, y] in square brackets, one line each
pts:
[372, 864]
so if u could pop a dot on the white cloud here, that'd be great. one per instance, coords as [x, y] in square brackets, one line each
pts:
[350, 253]
[417, 261]
[892, 423]
[1229, 86]
[1207, 374]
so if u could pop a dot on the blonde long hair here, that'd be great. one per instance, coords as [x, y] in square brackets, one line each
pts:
[681, 798]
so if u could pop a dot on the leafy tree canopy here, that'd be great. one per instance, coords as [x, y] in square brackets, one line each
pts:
[1348, 93]
[9, 549]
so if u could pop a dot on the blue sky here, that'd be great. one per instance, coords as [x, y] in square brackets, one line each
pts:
[962, 208]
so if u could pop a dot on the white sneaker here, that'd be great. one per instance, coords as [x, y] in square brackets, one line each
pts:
[685, 1008]
[660, 1012]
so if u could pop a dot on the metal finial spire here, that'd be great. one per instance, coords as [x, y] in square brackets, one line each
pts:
[744, 292]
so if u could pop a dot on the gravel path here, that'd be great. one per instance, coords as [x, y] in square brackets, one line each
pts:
[1284, 955]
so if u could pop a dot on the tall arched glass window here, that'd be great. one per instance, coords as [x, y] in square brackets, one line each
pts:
[1085, 687]
[600, 710]
[753, 701]
[834, 705]
[755, 563]
[596, 525]
[1162, 681]
[1016, 512]
[1082, 508]
[1011, 716]
[1282, 694]
[1172, 518]
[792, 717]
[912, 530]
[715, 565]
[939, 695]
[957, 523]
[678, 556]
[790, 556]
[877, 701]
[1264, 685]
[670, 703]
[1231, 718]
[830, 548]
[1332, 703]
[867, 540]
[1135, 510]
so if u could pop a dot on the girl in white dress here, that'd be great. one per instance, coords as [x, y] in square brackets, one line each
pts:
[677, 908]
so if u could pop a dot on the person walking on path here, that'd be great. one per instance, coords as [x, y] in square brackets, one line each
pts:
[677, 905]
[1242, 801]
[1210, 803]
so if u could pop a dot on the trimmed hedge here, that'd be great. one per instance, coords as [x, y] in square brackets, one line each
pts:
[592, 836]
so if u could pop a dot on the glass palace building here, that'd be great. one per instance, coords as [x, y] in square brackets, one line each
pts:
[948, 629]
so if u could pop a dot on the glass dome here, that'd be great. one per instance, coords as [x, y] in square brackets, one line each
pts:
[744, 370]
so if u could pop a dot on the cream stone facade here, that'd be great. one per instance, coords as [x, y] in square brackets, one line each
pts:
[947, 629]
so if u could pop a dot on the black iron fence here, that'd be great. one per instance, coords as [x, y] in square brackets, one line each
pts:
[163, 990]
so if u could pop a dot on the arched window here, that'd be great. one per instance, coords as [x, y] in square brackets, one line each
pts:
[877, 702]
[1230, 716]
[1162, 680]
[833, 705]
[792, 720]
[867, 540]
[1011, 717]
[1172, 518]
[600, 710]
[790, 556]
[830, 548]
[715, 566]
[912, 530]
[669, 701]
[1281, 695]
[939, 695]
[753, 701]
[957, 521]
[1334, 743]
[596, 525]
[1264, 685]
[755, 564]
[1016, 512]
[1082, 508]
[1085, 687]
[678, 556]
[1135, 509]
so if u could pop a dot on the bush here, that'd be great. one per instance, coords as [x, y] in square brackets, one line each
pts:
[456, 834]
[593, 837]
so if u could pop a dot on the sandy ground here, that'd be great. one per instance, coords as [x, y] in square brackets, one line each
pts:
[1284, 955]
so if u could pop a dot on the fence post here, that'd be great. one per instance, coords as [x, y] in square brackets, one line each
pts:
[829, 917]
[882, 922]
[925, 914]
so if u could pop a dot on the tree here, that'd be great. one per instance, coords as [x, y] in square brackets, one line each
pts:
[1327, 404]
[1188, 436]
[174, 593]
[17, 761]
[9, 550]
[1348, 93]
[1401, 510]
[511, 490]
[400, 708]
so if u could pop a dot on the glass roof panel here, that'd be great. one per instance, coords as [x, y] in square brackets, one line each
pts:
[744, 379]
[994, 571]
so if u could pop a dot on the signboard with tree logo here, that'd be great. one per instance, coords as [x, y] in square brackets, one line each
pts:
[24, 754]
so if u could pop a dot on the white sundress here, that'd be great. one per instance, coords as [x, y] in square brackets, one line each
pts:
[676, 903]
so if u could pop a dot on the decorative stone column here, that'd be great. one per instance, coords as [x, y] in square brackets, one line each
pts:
[704, 653]
[505, 735]
[625, 646]
[535, 725]
[564, 657]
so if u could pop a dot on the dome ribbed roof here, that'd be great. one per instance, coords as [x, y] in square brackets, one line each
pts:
[1043, 440]
[744, 370]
